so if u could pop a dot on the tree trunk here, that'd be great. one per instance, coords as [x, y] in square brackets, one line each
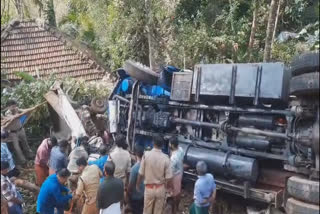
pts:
[8, 9]
[231, 14]
[27, 185]
[50, 13]
[253, 30]
[270, 29]
[18, 5]
[152, 63]
[3, 7]
[276, 25]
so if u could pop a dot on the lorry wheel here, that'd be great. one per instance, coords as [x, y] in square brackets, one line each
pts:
[140, 72]
[294, 206]
[305, 63]
[303, 189]
[305, 84]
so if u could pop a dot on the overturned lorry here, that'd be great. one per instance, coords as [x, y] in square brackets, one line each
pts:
[256, 125]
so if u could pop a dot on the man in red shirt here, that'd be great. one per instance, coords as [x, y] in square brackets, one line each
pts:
[42, 159]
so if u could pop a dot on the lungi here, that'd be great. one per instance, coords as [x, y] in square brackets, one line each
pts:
[194, 209]
[41, 174]
[112, 209]
[176, 183]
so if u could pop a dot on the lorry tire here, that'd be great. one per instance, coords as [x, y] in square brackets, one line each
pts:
[140, 72]
[305, 63]
[303, 189]
[305, 84]
[294, 206]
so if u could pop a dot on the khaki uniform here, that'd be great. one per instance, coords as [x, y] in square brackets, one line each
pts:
[122, 160]
[18, 138]
[76, 153]
[88, 185]
[156, 169]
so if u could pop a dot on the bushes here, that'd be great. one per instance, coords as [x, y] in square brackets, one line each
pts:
[30, 93]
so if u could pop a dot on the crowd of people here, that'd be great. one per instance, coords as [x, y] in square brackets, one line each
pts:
[117, 181]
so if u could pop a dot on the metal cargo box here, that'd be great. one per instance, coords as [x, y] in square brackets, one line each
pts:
[261, 81]
[181, 86]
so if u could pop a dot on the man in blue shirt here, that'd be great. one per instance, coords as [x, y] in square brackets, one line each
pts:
[58, 157]
[204, 190]
[54, 194]
[136, 198]
[103, 158]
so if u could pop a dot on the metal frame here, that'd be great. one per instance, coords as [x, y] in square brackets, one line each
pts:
[244, 190]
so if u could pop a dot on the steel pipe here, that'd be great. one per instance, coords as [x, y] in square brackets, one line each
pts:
[258, 121]
[259, 143]
[231, 128]
[121, 98]
[232, 109]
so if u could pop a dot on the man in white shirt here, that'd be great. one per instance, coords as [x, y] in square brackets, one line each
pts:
[79, 151]
[9, 191]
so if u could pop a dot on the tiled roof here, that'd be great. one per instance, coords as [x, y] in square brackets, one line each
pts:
[39, 50]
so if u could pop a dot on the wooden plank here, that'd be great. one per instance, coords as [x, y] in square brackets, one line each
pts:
[59, 102]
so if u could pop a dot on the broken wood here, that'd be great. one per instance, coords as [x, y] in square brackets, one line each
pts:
[7, 121]
[61, 105]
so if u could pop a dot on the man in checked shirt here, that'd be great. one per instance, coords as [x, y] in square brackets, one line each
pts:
[9, 191]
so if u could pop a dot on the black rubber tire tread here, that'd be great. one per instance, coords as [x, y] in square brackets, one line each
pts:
[140, 72]
[303, 189]
[305, 84]
[294, 206]
[305, 63]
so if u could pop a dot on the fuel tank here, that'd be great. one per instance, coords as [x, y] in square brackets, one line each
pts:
[222, 163]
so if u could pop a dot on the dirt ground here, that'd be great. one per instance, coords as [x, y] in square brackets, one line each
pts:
[29, 197]
[225, 203]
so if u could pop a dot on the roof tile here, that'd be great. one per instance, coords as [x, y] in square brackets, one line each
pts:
[41, 52]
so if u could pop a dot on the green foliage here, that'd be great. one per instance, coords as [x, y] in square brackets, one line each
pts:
[189, 31]
[84, 25]
[25, 76]
[307, 39]
[29, 94]
[5, 18]
[50, 13]
[293, 12]
[284, 51]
